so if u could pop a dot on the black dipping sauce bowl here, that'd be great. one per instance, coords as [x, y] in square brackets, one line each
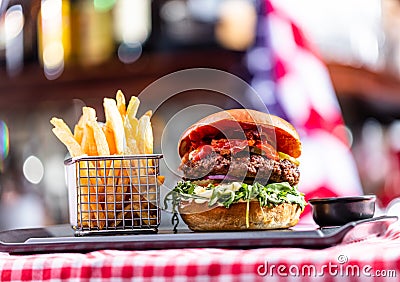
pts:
[341, 210]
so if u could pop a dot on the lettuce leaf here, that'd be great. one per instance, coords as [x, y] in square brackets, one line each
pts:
[268, 195]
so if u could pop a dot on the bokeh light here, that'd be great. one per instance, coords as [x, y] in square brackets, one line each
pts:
[174, 11]
[104, 5]
[53, 52]
[33, 169]
[4, 143]
[132, 21]
[14, 40]
[14, 22]
[236, 27]
[129, 53]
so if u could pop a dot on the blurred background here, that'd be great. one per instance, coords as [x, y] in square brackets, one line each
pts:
[58, 55]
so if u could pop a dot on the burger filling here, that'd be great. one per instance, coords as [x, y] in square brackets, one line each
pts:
[226, 194]
[216, 166]
[238, 159]
[221, 171]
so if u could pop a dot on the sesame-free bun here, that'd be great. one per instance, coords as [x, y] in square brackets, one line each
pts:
[200, 218]
[286, 136]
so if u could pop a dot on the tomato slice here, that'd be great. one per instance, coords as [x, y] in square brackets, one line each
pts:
[236, 145]
[268, 150]
[233, 145]
[200, 153]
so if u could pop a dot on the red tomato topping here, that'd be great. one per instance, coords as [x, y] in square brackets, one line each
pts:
[232, 146]
[201, 152]
[268, 150]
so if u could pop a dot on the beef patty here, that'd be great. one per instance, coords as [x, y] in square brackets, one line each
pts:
[243, 167]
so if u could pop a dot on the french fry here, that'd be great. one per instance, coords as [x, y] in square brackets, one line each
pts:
[100, 139]
[133, 107]
[88, 142]
[131, 126]
[114, 121]
[120, 98]
[89, 114]
[120, 216]
[78, 130]
[142, 190]
[114, 192]
[109, 133]
[62, 131]
[102, 148]
[147, 186]
[131, 147]
[111, 188]
[88, 193]
[135, 205]
[141, 202]
[143, 193]
[145, 136]
[160, 179]
[64, 134]
[145, 139]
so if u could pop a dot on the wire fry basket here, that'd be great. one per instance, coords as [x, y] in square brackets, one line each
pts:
[114, 194]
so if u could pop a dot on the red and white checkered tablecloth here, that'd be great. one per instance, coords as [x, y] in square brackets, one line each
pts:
[374, 259]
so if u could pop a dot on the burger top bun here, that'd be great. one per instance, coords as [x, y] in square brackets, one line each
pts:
[287, 138]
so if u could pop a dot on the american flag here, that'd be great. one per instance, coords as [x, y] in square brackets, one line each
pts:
[293, 82]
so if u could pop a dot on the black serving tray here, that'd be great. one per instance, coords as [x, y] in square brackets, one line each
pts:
[60, 238]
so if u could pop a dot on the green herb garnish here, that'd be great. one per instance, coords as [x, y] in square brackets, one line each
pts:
[226, 194]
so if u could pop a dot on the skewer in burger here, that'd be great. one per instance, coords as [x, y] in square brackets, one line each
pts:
[240, 172]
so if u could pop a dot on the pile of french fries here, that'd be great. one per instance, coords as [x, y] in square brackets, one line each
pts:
[110, 190]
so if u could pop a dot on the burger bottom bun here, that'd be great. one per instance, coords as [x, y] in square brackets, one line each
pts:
[234, 218]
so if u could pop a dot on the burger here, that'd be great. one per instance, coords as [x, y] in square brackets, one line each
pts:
[240, 172]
